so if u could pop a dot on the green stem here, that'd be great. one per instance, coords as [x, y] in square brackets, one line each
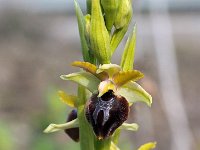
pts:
[116, 136]
[85, 132]
[87, 139]
[102, 144]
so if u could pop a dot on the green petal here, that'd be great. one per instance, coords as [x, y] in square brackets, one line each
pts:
[148, 146]
[133, 92]
[57, 127]
[123, 77]
[130, 127]
[85, 79]
[70, 100]
[129, 51]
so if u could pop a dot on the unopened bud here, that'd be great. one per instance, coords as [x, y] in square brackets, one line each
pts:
[99, 36]
[110, 8]
[124, 14]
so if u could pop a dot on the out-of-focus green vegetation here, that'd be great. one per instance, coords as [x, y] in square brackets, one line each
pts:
[6, 140]
[56, 111]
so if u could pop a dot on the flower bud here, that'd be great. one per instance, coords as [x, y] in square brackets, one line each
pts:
[89, 6]
[106, 113]
[124, 14]
[110, 8]
[99, 36]
[73, 133]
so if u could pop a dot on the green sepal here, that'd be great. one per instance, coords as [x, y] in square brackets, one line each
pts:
[148, 146]
[113, 146]
[57, 127]
[129, 52]
[99, 36]
[116, 135]
[129, 127]
[133, 92]
[85, 79]
[81, 26]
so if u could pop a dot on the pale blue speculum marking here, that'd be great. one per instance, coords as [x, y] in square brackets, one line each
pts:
[105, 106]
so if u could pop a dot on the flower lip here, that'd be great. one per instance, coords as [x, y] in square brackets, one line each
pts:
[104, 104]
[73, 133]
[106, 113]
[108, 95]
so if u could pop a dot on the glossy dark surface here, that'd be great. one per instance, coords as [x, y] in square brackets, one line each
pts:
[73, 133]
[106, 113]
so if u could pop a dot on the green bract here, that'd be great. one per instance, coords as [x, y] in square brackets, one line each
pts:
[129, 52]
[81, 26]
[87, 28]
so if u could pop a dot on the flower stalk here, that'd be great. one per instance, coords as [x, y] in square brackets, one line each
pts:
[86, 134]
[105, 90]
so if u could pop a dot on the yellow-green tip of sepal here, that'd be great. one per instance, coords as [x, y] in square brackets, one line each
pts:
[130, 127]
[148, 146]
[57, 127]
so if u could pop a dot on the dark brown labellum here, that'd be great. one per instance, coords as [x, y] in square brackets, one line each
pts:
[73, 133]
[106, 113]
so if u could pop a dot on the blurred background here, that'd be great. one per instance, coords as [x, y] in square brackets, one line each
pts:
[38, 41]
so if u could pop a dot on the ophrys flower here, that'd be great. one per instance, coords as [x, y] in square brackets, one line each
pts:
[113, 90]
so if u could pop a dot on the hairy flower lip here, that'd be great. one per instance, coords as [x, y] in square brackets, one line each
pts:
[106, 113]
[73, 133]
